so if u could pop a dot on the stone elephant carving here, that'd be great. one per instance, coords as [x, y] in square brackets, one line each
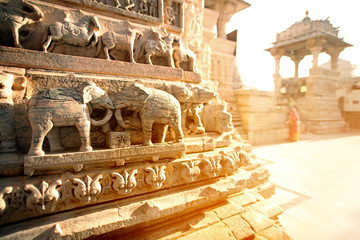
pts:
[8, 84]
[77, 34]
[182, 55]
[153, 106]
[14, 15]
[121, 40]
[191, 98]
[158, 47]
[217, 118]
[66, 107]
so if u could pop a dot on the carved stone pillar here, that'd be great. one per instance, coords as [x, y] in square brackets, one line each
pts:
[315, 51]
[277, 64]
[334, 54]
[296, 59]
[221, 24]
[277, 54]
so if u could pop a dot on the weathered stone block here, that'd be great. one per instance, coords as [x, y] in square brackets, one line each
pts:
[257, 221]
[239, 227]
[117, 139]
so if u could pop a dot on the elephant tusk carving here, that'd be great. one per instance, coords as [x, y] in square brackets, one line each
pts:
[101, 122]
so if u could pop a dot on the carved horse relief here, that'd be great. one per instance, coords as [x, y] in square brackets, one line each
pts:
[120, 40]
[77, 34]
[16, 14]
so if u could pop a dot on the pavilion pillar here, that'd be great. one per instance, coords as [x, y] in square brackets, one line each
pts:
[315, 51]
[296, 59]
[226, 10]
[334, 54]
[277, 77]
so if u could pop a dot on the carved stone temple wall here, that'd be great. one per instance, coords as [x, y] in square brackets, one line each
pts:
[109, 131]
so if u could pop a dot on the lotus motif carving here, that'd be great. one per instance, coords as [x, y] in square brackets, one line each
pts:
[155, 176]
[44, 197]
[89, 189]
[125, 182]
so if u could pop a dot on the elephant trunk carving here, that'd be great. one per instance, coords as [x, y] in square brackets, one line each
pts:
[101, 122]
[119, 119]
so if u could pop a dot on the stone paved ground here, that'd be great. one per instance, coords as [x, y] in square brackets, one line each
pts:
[318, 185]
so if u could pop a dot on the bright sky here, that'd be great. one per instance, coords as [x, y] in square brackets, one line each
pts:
[258, 24]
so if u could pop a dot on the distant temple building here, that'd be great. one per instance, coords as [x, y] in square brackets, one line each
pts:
[314, 96]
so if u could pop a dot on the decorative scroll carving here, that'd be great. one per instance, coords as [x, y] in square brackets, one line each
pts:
[87, 190]
[66, 107]
[190, 171]
[78, 34]
[155, 176]
[44, 197]
[4, 194]
[13, 16]
[125, 181]
[17, 199]
[210, 166]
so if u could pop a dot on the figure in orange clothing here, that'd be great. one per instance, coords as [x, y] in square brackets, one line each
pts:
[294, 134]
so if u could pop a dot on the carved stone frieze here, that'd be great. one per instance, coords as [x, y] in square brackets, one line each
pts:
[45, 194]
[148, 10]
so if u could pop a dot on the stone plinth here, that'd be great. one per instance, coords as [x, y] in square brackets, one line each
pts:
[264, 122]
[319, 108]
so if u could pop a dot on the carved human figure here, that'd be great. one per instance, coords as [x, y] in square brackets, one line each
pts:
[8, 84]
[14, 15]
[80, 33]
[153, 7]
[153, 106]
[121, 40]
[158, 47]
[129, 5]
[143, 7]
[170, 12]
[66, 107]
